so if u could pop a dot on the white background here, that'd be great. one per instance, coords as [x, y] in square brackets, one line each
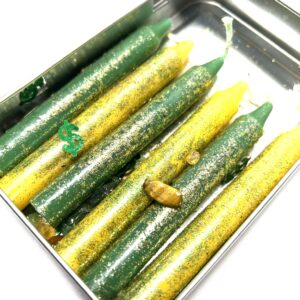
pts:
[264, 264]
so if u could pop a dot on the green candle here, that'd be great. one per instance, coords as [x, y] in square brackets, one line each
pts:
[122, 262]
[183, 259]
[75, 185]
[88, 240]
[38, 126]
[50, 160]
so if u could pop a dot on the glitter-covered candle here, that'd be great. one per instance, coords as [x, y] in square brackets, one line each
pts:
[75, 185]
[184, 258]
[87, 241]
[122, 262]
[44, 120]
[39, 169]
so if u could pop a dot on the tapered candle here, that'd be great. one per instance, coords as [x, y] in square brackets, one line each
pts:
[39, 169]
[122, 262]
[38, 126]
[74, 186]
[87, 241]
[184, 258]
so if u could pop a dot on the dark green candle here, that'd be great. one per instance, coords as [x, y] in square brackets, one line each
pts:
[38, 126]
[113, 108]
[203, 238]
[69, 190]
[121, 263]
[128, 200]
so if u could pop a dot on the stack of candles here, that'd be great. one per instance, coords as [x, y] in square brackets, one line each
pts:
[57, 160]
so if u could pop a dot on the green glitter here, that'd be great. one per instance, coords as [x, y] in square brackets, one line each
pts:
[75, 141]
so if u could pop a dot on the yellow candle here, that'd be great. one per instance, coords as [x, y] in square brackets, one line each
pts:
[87, 241]
[40, 168]
[183, 259]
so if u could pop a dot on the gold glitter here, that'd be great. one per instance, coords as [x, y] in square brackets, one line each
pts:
[87, 241]
[184, 258]
[45, 164]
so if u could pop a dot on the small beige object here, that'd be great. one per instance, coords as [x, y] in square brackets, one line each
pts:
[193, 157]
[162, 193]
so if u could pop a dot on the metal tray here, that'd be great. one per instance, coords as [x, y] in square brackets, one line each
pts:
[267, 58]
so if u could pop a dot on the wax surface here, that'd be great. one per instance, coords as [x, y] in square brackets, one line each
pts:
[50, 160]
[83, 245]
[184, 258]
